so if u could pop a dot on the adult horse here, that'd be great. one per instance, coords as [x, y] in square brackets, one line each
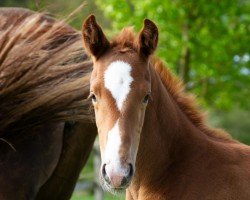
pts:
[44, 79]
[153, 139]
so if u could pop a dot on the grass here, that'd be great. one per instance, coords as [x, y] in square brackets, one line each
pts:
[80, 195]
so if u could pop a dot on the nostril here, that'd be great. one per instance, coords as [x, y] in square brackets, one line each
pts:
[131, 171]
[126, 180]
[104, 174]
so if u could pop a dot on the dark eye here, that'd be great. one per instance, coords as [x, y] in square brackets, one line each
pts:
[93, 97]
[146, 98]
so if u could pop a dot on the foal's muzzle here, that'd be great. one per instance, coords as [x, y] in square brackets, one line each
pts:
[117, 178]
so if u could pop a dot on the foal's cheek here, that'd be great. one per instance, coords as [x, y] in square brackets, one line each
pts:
[95, 106]
[141, 116]
[97, 118]
[102, 148]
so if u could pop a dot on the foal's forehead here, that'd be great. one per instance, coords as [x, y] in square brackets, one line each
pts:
[120, 62]
[118, 77]
[118, 80]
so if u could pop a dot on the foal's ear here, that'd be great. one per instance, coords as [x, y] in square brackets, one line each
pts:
[148, 38]
[94, 40]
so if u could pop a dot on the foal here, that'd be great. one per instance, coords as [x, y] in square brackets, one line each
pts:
[153, 140]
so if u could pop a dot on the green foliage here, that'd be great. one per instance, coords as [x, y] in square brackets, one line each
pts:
[216, 33]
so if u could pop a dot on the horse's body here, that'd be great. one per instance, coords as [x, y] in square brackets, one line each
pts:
[42, 79]
[170, 153]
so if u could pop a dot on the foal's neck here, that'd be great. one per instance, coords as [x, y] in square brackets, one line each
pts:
[165, 139]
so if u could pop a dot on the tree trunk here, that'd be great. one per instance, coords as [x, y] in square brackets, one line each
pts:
[184, 64]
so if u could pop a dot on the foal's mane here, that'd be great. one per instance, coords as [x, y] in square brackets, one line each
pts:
[186, 102]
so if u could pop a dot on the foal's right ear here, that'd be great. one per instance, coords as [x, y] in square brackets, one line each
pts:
[94, 40]
[148, 38]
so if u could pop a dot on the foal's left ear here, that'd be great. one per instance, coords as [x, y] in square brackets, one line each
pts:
[148, 38]
[94, 40]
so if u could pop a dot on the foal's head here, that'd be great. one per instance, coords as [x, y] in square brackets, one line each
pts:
[120, 90]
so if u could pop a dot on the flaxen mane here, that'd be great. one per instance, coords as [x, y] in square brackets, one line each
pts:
[44, 71]
[128, 39]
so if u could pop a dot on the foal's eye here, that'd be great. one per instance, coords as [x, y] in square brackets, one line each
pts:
[146, 98]
[93, 97]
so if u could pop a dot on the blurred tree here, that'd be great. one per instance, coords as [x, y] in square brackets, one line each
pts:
[205, 42]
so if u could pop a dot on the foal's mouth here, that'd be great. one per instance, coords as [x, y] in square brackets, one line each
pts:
[113, 190]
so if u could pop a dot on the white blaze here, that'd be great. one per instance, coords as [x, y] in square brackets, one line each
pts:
[113, 144]
[117, 79]
[111, 156]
